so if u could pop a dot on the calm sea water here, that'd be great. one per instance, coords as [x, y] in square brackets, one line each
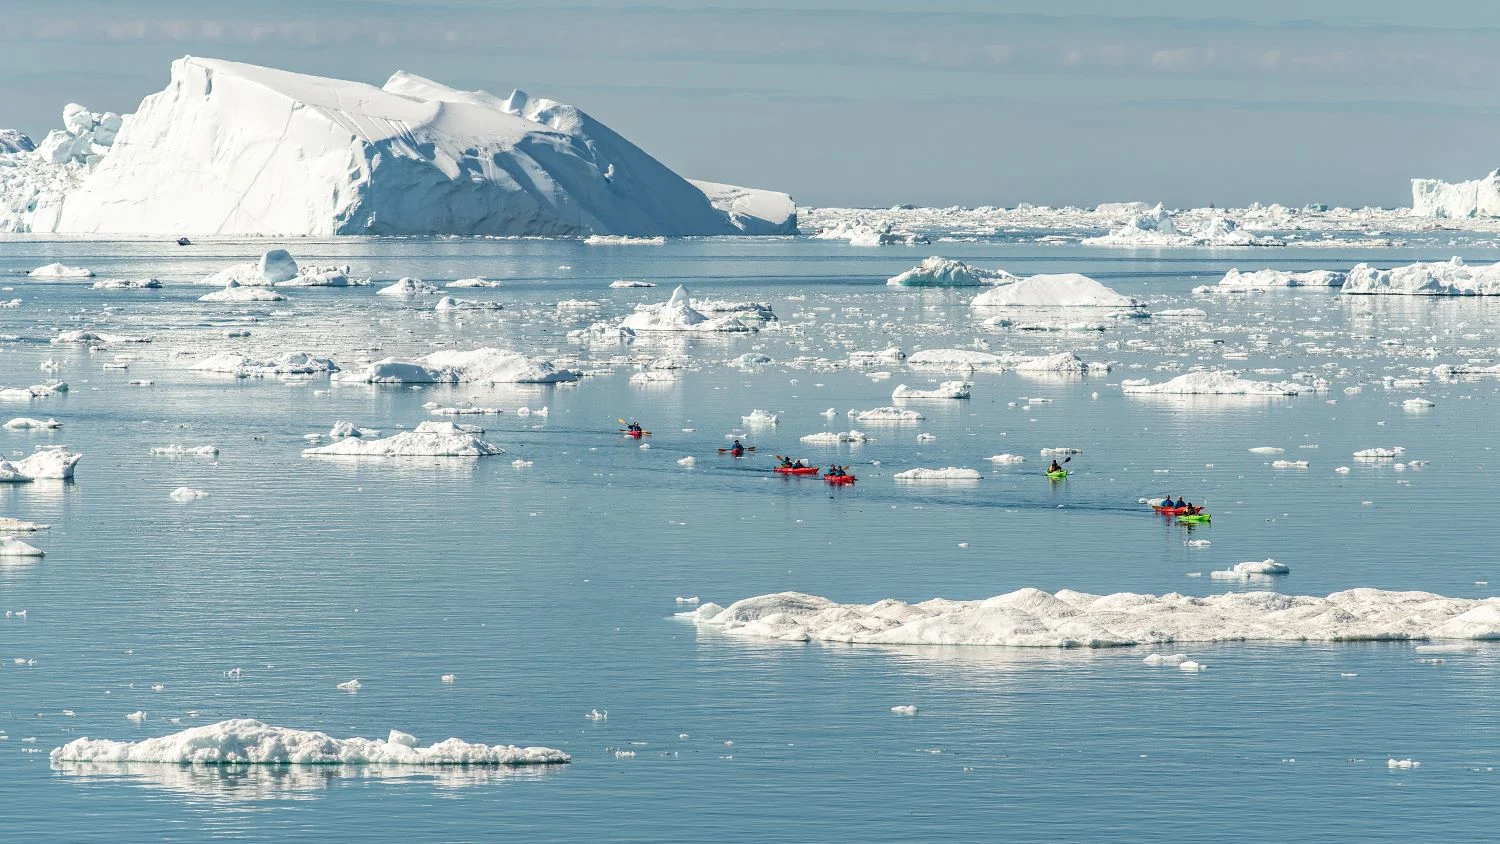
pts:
[550, 591]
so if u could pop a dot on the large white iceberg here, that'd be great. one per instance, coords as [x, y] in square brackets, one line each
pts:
[945, 390]
[1437, 278]
[678, 314]
[943, 272]
[1055, 290]
[1036, 619]
[1236, 281]
[429, 439]
[235, 149]
[476, 366]
[1214, 383]
[1456, 200]
[243, 741]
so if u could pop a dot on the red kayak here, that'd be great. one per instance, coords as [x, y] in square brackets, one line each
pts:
[839, 480]
[636, 434]
[1169, 511]
[805, 470]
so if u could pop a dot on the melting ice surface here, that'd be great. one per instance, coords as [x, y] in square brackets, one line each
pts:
[551, 592]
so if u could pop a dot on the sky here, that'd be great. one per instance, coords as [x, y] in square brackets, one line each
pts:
[879, 102]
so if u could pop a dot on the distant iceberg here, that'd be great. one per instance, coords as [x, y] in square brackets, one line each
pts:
[235, 149]
[1437, 278]
[1456, 200]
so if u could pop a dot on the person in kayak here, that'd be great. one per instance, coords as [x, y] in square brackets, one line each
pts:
[786, 463]
[834, 472]
[1055, 467]
[737, 449]
[633, 428]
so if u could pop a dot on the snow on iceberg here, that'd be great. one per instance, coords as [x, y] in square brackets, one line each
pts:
[429, 439]
[127, 284]
[886, 414]
[942, 272]
[1216, 383]
[1062, 363]
[49, 463]
[678, 314]
[1236, 281]
[751, 210]
[1438, 278]
[952, 473]
[59, 270]
[244, 741]
[946, 390]
[13, 547]
[1456, 200]
[240, 366]
[25, 423]
[1055, 290]
[236, 293]
[1067, 619]
[235, 149]
[477, 366]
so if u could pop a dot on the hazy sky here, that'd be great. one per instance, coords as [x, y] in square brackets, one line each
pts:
[876, 102]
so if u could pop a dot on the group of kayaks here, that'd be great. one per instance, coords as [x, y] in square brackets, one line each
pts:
[837, 475]
[1181, 514]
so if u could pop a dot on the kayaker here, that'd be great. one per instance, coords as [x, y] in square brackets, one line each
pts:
[1055, 467]
[633, 428]
[786, 463]
[737, 449]
[834, 472]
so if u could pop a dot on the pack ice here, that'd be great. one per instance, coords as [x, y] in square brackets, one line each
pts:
[235, 149]
[1068, 619]
[244, 741]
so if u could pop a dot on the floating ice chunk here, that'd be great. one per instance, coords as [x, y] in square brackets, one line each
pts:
[1181, 313]
[682, 600]
[59, 270]
[351, 685]
[522, 464]
[186, 451]
[596, 715]
[760, 418]
[240, 366]
[957, 360]
[236, 293]
[1288, 464]
[244, 741]
[1237, 281]
[942, 272]
[678, 314]
[1402, 763]
[945, 390]
[688, 462]
[138, 716]
[49, 463]
[409, 286]
[428, 439]
[626, 284]
[1217, 383]
[1007, 459]
[449, 678]
[466, 283]
[1342, 470]
[1060, 452]
[22, 423]
[904, 710]
[478, 366]
[1379, 453]
[10, 525]
[448, 303]
[623, 240]
[1267, 449]
[1250, 570]
[887, 414]
[831, 438]
[127, 284]
[1160, 659]
[1418, 404]
[1438, 278]
[1059, 290]
[884, 356]
[952, 473]
[1062, 363]
[13, 547]
[1191, 665]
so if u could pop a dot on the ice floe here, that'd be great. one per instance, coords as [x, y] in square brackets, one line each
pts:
[186, 451]
[943, 272]
[248, 742]
[832, 438]
[1055, 290]
[187, 493]
[1214, 383]
[952, 473]
[678, 314]
[1438, 278]
[477, 366]
[59, 270]
[945, 390]
[1236, 281]
[429, 439]
[12, 547]
[1034, 618]
[886, 414]
[448, 303]
[409, 287]
[288, 363]
[24, 423]
[1251, 570]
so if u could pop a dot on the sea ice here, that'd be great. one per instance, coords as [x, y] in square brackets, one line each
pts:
[1438, 278]
[1060, 290]
[479, 366]
[946, 390]
[678, 314]
[236, 293]
[1250, 570]
[21, 423]
[949, 474]
[429, 439]
[942, 272]
[886, 414]
[13, 547]
[1217, 383]
[187, 493]
[58, 270]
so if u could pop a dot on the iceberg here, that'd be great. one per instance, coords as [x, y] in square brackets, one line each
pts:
[942, 272]
[240, 366]
[1062, 363]
[1032, 618]
[236, 149]
[1055, 290]
[245, 741]
[59, 270]
[48, 464]
[477, 366]
[949, 474]
[429, 439]
[236, 293]
[1237, 281]
[1438, 278]
[1456, 200]
[678, 314]
[1156, 228]
[1215, 383]
[945, 390]
[127, 284]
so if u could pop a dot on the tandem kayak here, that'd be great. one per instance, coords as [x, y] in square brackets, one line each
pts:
[1057, 476]
[1169, 511]
[635, 434]
[804, 470]
[839, 480]
[1195, 519]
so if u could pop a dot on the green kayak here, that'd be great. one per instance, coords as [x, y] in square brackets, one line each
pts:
[1198, 519]
[1057, 476]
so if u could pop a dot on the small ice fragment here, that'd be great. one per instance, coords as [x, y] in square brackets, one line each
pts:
[449, 678]
[904, 710]
[596, 715]
[1402, 763]
[350, 686]
[137, 716]
[1190, 665]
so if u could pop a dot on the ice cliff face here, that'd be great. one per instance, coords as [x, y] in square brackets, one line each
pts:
[230, 148]
[1456, 200]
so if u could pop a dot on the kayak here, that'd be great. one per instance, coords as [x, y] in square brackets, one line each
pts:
[1196, 519]
[839, 480]
[805, 470]
[1169, 511]
[636, 434]
[1057, 476]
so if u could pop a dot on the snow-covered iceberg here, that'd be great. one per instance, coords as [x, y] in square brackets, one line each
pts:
[943, 272]
[1067, 619]
[477, 366]
[242, 366]
[1456, 200]
[1215, 383]
[1055, 290]
[952, 473]
[429, 439]
[235, 149]
[1236, 281]
[678, 314]
[1437, 278]
[945, 390]
[243, 741]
